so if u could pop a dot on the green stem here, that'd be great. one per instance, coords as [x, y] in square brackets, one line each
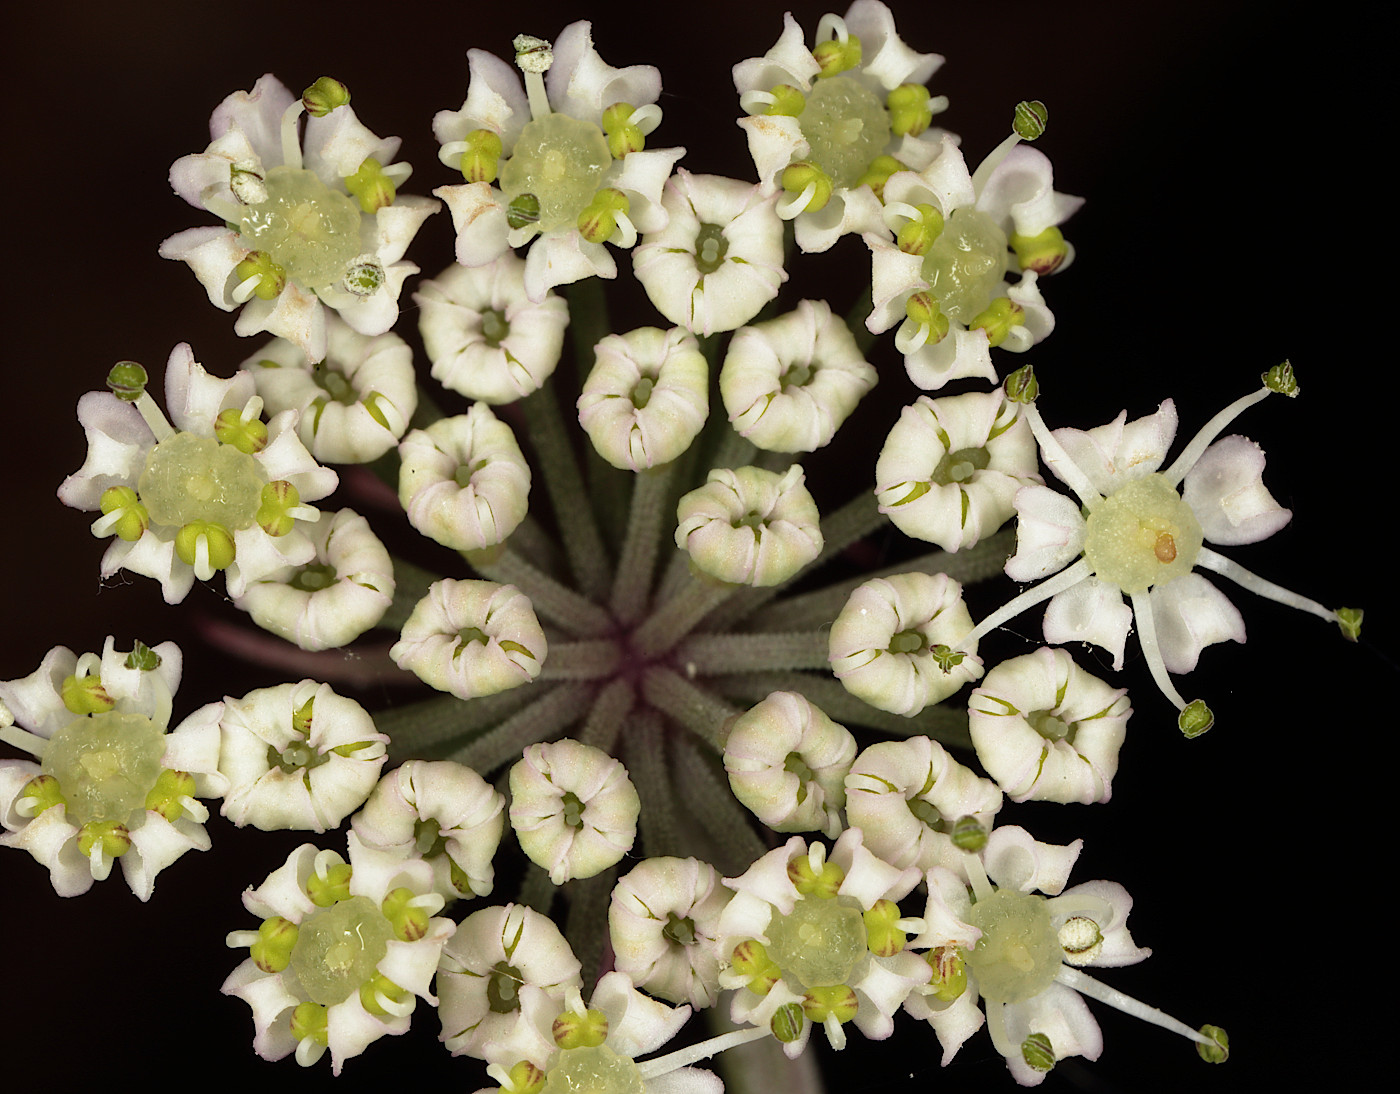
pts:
[415, 728]
[608, 715]
[645, 757]
[544, 718]
[711, 654]
[632, 584]
[411, 584]
[554, 601]
[588, 660]
[698, 711]
[704, 792]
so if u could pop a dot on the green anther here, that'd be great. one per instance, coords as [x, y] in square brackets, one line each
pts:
[142, 657]
[40, 793]
[272, 952]
[127, 381]
[301, 717]
[947, 973]
[909, 110]
[945, 657]
[247, 436]
[523, 209]
[260, 264]
[787, 1022]
[384, 986]
[796, 178]
[623, 136]
[882, 936]
[998, 319]
[878, 173]
[968, 834]
[134, 519]
[524, 1078]
[218, 538]
[1042, 253]
[751, 959]
[1037, 1052]
[85, 694]
[371, 186]
[335, 886]
[116, 840]
[481, 160]
[1195, 718]
[825, 884]
[923, 310]
[915, 237]
[838, 1001]
[1021, 386]
[410, 923]
[1217, 1053]
[165, 796]
[324, 96]
[364, 277]
[1281, 381]
[459, 878]
[836, 56]
[586, 1030]
[1349, 619]
[787, 101]
[309, 1020]
[598, 221]
[1029, 119]
[274, 513]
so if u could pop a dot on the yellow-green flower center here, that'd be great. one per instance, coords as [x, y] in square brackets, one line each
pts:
[1018, 954]
[561, 161]
[339, 948]
[105, 765]
[819, 942]
[308, 229]
[597, 1070]
[1142, 535]
[189, 478]
[965, 264]
[846, 125]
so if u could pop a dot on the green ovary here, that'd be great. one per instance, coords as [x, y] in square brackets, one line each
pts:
[339, 948]
[310, 230]
[189, 478]
[846, 125]
[105, 765]
[1142, 535]
[819, 942]
[597, 1070]
[1018, 954]
[560, 160]
[965, 264]
[960, 466]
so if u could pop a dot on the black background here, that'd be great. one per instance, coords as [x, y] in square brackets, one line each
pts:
[1237, 214]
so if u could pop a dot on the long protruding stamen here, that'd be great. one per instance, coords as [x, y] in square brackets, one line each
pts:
[1202, 440]
[1066, 578]
[977, 876]
[1071, 977]
[992, 161]
[291, 140]
[533, 56]
[684, 1057]
[1059, 459]
[1221, 565]
[1147, 638]
[24, 740]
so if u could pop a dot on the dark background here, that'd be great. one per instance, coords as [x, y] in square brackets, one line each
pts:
[1235, 217]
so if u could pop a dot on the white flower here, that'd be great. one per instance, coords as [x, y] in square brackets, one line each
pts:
[1046, 730]
[333, 599]
[908, 798]
[787, 762]
[664, 926]
[824, 934]
[570, 170]
[485, 338]
[472, 638]
[646, 397]
[104, 786]
[573, 808]
[884, 645]
[290, 756]
[1142, 539]
[789, 383]
[355, 404]
[749, 526]
[443, 812]
[494, 954]
[343, 954]
[464, 481]
[951, 467]
[842, 90]
[944, 279]
[720, 257]
[219, 491]
[336, 184]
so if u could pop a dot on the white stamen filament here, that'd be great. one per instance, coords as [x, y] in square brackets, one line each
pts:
[309, 1050]
[104, 524]
[1055, 455]
[251, 409]
[1221, 565]
[240, 940]
[684, 1057]
[450, 154]
[196, 809]
[23, 739]
[625, 235]
[1056, 583]
[1202, 440]
[1086, 985]
[1147, 638]
[911, 336]
[202, 569]
[398, 1010]
[321, 864]
[307, 513]
[795, 207]
[977, 876]
[539, 98]
[291, 141]
[99, 862]
[154, 418]
[243, 291]
[897, 213]
[994, 158]
[398, 173]
[518, 237]
[647, 118]
[832, 26]
[753, 102]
